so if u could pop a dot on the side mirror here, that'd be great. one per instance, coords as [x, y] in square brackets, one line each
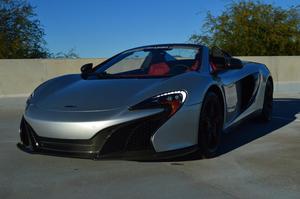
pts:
[235, 64]
[86, 68]
[218, 64]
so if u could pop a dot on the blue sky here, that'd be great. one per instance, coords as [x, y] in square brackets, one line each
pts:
[101, 28]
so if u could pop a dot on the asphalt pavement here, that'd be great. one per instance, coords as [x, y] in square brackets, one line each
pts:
[257, 161]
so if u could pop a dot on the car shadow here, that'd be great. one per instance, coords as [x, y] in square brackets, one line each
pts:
[284, 112]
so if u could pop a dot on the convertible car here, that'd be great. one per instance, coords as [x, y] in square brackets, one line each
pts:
[158, 101]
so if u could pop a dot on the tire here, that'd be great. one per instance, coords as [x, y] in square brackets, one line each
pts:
[266, 113]
[210, 125]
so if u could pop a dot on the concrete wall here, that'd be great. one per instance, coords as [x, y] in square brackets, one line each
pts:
[19, 77]
[285, 71]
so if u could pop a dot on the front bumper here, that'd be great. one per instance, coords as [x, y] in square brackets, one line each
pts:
[130, 140]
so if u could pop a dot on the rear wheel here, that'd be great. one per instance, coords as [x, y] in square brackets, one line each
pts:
[266, 113]
[210, 125]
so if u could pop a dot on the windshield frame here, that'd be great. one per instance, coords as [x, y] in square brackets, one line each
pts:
[106, 64]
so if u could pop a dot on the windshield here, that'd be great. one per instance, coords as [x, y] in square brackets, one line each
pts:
[152, 62]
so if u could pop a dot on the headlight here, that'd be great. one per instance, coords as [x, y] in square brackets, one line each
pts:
[171, 101]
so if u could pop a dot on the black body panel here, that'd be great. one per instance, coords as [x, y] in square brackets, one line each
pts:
[130, 140]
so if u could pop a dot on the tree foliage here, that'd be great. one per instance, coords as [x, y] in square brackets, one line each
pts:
[21, 35]
[70, 54]
[253, 28]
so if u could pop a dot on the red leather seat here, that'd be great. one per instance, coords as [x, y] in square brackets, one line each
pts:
[159, 69]
[213, 66]
[195, 66]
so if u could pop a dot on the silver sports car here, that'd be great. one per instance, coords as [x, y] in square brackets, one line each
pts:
[157, 101]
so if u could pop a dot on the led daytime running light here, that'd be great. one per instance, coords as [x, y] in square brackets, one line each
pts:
[183, 94]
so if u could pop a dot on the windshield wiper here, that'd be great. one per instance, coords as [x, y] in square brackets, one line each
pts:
[104, 75]
[99, 75]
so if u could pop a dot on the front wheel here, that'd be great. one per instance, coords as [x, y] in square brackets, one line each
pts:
[266, 113]
[210, 125]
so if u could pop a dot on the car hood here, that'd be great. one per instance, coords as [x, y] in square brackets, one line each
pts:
[72, 93]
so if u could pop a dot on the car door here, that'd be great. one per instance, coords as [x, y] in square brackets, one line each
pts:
[230, 81]
[240, 84]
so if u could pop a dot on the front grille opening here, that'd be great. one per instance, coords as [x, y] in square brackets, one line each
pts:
[116, 142]
[24, 138]
[24, 133]
[52, 145]
[140, 138]
[134, 136]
